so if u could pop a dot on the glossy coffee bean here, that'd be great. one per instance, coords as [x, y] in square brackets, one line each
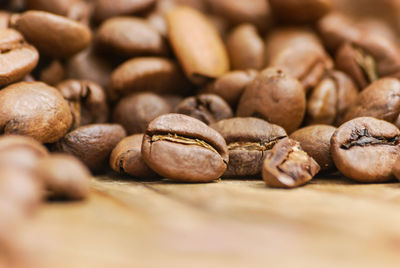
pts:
[183, 148]
[208, 108]
[65, 176]
[248, 140]
[300, 11]
[275, 97]
[53, 35]
[126, 158]
[87, 101]
[365, 149]
[104, 9]
[315, 140]
[17, 57]
[34, 109]
[245, 48]
[135, 112]
[92, 144]
[197, 45]
[288, 166]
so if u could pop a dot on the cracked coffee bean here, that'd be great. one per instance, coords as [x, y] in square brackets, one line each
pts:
[182, 148]
[126, 158]
[208, 108]
[315, 140]
[288, 166]
[365, 149]
[248, 140]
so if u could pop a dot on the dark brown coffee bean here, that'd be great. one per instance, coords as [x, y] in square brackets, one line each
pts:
[183, 148]
[135, 112]
[299, 53]
[92, 144]
[365, 149]
[303, 11]
[248, 140]
[315, 140]
[330, 99]
[275, 97]
[381, 100]
[231, 85]
[396, 169]
[126, 158]
[208, 108]
[104, 9]
[17, 57]
[34, 109]
[53, 73]
[288, 166]
[130, 37]
[65, 176]
[87, 101]
[246, 48]
[197, 45]
[256, 12]
[148, 74]
[53, 35]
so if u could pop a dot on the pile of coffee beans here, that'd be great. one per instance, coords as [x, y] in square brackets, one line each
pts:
[193, 91]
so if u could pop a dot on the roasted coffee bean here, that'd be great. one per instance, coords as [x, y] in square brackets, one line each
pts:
[92, 144]
[246, 48]
[303, 11]
[396, 169]
[298, 53]
[34, 109]
[365, 149]
[330, 99]
[276, 97]
[65, 176]
[87, 101]
[288, 166]
[153, 74]
[248, 140]
[197, 45]
[231, 85]
[135, 112]
[126, 158]
[381, 100]
[173, 100]
[130, 37]
[256, 12]
[368, 59]
[183, 148]
[53, 35]
[53, 73]
[209, 108]
[104, 9]
[315, 140]
[17, 57]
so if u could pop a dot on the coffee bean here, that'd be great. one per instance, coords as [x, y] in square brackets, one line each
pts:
[246, 48]
[130, 37]
[288, 166]
[275, 97]
[396, 169]
[92, 144]
[197, 45]
[304, 11]
[126, 158]
[87, 101]
[104, 9]
[208, 108]
[315, 140]
[34, 109]
[59, 7]
[231, 85]
[153, 74]
[183, 148]
[135, 112]
[53, 73]
[17, 57]
[65, 176]
[365, 149]
[248, 140]
[53, 35]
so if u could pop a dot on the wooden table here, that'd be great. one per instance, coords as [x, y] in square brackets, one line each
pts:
[327, 223]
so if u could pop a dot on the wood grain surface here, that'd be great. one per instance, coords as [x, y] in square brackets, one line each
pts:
[330, 222]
